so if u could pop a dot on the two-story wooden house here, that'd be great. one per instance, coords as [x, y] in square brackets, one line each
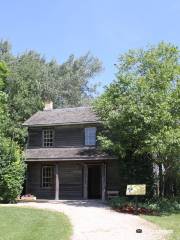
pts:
[63, 160]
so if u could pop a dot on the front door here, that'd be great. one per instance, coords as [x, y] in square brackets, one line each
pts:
[94, 182]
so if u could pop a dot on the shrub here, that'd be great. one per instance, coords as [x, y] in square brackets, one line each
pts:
[164, 205]
[12, 170]
[128, 205]
[149, 206]
[118, 202]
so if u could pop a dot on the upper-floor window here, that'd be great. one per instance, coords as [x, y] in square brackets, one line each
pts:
[48, 138]
[47, 176]
[90, 136]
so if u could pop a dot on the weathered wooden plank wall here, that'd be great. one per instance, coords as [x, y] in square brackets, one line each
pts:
[63, 136]
[71, 177]
[69, 137]
[71, 181]
[34, 183]
[35, 137]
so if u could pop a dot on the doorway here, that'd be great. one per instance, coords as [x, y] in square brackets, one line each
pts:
[94, 182]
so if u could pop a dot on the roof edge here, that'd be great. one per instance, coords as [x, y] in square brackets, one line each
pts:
[69, 159]
[60, 124]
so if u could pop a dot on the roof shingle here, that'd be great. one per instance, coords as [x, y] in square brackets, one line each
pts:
[65, 154]
[63, 116]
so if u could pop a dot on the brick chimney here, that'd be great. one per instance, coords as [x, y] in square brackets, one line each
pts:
[48, 105]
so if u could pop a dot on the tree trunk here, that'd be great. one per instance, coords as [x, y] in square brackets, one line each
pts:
[161, 181]
[175, 187]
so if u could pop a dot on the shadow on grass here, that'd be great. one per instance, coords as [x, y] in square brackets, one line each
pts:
[77, 203]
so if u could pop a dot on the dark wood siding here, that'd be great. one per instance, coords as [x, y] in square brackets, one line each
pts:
[34, 182]
[69, 137]
[71, 181]
[64, 136]
[35, 137]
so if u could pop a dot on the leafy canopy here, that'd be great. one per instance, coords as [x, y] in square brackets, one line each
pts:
[3, 98]
[33, 79]
[11, 158]
[12, 170]
[141, 108]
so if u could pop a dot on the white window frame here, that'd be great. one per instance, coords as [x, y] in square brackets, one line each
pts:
[90, 136]
[48, 138]
[47, 179]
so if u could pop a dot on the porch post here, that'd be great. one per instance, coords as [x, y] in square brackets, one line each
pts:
[85, 182]
[57, 181]
[27, 181]
[103, 174]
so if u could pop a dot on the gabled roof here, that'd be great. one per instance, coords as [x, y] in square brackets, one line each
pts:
[63, 116]
[66, 154]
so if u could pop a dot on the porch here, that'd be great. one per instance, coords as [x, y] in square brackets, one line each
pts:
[72, 180]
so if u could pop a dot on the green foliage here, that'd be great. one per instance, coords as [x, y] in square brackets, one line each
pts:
[136, 169]
[143, 103]
[118, 202]
[163, 205]
[11, 160]
[32, 80]
[3, 98]
[158, 205]
[11, 170]
[141, 108]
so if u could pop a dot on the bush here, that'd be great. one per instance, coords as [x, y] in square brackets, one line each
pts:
[118, 202]
[12, 170]
[164, 205]
[149, 206]
[128, 205]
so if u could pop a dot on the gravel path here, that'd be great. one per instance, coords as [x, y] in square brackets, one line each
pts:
[93, 220]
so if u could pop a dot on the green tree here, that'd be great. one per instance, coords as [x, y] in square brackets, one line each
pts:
[11, 159]
[12, 169]
[32, 80]
[3, 98]
[141, 108]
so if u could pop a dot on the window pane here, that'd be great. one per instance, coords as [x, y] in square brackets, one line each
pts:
[48, 138]
[90, 136]
[47, 176]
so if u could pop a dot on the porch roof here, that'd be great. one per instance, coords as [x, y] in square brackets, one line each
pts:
[66, 154]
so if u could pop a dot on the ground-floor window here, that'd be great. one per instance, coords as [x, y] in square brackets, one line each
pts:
[47, 176]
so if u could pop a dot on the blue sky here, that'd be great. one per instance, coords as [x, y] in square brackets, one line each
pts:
[106, 28]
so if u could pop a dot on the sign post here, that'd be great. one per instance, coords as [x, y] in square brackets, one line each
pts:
[136, 190]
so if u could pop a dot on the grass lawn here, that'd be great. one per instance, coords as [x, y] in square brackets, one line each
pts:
[169, 222]
[18, 223]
